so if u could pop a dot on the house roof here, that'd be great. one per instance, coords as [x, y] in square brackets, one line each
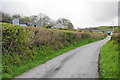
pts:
[23, 22]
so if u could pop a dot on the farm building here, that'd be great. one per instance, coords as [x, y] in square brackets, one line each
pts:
[21, 22]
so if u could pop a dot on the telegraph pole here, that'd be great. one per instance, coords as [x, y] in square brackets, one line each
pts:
[113, 26]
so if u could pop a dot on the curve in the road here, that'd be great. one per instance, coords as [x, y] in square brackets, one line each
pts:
[81, 62]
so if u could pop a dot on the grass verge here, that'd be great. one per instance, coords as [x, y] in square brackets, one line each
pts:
[38, 59]
[108, 64]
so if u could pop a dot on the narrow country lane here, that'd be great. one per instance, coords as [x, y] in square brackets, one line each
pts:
[81, 62]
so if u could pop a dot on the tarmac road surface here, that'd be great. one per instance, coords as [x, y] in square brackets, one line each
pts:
[81, 62]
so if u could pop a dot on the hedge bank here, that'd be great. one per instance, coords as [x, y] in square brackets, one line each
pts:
[24, 45]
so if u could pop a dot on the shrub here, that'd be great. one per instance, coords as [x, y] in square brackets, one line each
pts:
[116, 37]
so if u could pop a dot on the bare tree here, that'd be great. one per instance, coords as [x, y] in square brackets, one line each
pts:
[4, 17]
[18, 16]
[34, 19]
[41, 20]
[64, 23]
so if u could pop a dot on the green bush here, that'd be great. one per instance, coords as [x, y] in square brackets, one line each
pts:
[116, 37]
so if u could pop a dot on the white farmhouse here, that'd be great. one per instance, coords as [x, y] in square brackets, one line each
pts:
[15, 21]
[20, 22]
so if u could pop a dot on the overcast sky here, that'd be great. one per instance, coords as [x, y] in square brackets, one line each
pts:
[82, 13]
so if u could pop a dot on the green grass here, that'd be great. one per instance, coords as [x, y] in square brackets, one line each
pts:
[108, 65]
[0, 64]
[19, 69]
[116, 28]
[108, 27]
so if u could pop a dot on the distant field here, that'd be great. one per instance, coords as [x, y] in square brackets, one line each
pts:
[109, 28]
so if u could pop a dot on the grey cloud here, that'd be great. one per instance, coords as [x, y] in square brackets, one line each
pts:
[119, 13]
[105, 11]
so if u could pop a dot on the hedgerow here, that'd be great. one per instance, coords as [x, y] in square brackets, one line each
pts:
[21, 44]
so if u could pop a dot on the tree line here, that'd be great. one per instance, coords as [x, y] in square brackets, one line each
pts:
[40, 20]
